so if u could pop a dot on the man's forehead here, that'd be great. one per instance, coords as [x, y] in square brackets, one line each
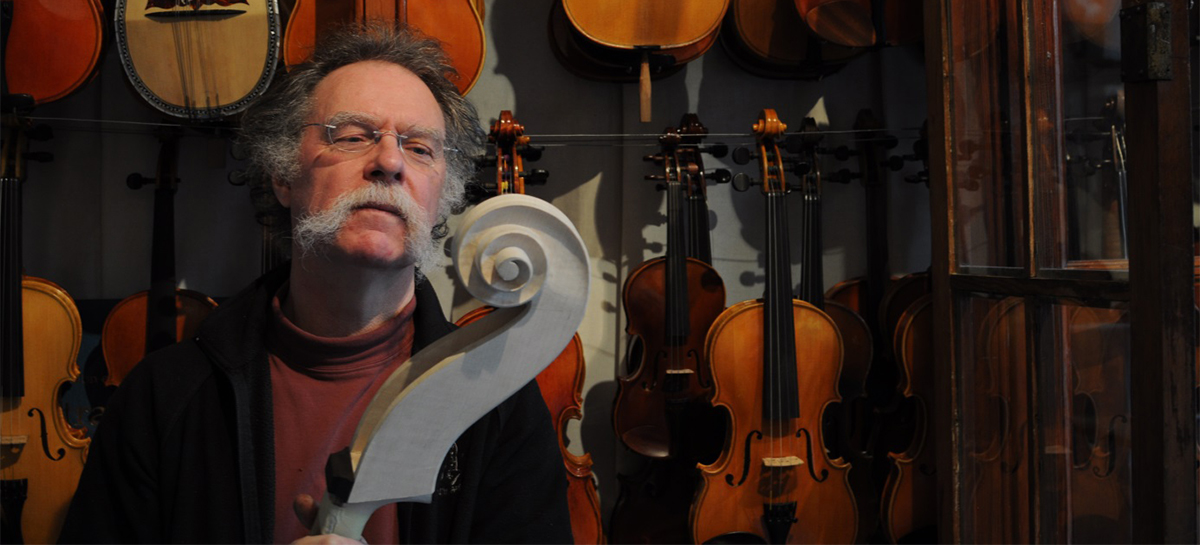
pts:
[378, 93]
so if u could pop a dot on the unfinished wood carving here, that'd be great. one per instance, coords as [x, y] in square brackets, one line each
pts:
[514, 252]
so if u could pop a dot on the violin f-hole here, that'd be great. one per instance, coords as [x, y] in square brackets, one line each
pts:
[46, 437]
[753, 435]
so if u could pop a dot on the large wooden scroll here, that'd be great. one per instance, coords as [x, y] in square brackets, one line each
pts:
[514, 252]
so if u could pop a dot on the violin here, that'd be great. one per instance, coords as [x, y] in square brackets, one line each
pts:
[43, 454]
[909, 501]
[1098, 355]
[670, 302]
[996, 468]
[71, 32]
[149, 320]
[770, 39]
[198, 59]
[847, 423]
[634, 28]
[774, 481]
[843, 22]
[561, 382]
[456, 24]
[653, 503]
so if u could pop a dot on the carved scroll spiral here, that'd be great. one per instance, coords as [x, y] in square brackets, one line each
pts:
[514, 252]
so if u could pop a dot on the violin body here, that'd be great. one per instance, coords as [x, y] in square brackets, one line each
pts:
[910, 493]
[457, 24]
[668, 375]
[774, 462]
[71, 32]
[43, 453]
[562, 388]
[997, 475]
[123, 339]
[199, 60]
[1101, 475]
[843, 22]
[770, 39]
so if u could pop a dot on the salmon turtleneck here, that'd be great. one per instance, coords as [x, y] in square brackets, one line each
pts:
[320, 387]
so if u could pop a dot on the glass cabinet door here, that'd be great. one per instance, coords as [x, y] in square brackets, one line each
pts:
[1061, 417]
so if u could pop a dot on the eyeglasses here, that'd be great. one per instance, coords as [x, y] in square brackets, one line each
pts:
[357, 136]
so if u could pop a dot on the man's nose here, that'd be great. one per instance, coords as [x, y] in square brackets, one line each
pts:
[388, 162]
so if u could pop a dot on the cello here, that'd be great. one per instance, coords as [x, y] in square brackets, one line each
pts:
[774, 481]
[457, 24]
[562, 382]
[152, 319]
[71, 32]
[43, 454]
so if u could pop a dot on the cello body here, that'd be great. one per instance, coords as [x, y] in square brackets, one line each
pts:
[71, 32]
[199, 60]
[43, 454]
[457, 24]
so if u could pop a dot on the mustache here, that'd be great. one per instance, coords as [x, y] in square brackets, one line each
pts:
[317, 229]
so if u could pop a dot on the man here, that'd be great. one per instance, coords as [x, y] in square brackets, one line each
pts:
[218, 438]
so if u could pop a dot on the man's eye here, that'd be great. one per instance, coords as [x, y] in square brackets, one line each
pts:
[418, 149]
[352, 138]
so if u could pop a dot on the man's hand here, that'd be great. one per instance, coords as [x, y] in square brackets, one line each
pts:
[306, 509]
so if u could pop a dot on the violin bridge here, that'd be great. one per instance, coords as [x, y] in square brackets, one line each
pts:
[783, 461]
[684, 371]
[11, 447]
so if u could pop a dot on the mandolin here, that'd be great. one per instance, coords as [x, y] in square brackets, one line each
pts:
[457, 24]
[561, 382]
[198, 59]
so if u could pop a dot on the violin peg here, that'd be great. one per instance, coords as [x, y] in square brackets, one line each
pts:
[743, 156]
[742, 182]
[716, 150]
[656, 177]
[656, 158]
[720, 176]
[536, 177]
[532, 153]
[136, 181]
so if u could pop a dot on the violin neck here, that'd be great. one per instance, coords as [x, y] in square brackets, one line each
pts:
[812, 277]
[699, 243]
[678, 324]
[780, 395]
[12, 355]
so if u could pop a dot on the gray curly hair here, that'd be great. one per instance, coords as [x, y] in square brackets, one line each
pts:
[271, 127]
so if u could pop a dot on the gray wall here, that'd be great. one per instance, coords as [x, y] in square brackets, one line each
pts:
[89, 233]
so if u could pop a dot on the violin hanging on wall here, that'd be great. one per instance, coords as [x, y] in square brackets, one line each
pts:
[457, 24]
[774, 481]
[561, 382]
[642, 33]
[70, 32]
[43, 454]
[198, 59]
[149, 320]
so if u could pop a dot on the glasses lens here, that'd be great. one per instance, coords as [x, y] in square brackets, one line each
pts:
[352, 137]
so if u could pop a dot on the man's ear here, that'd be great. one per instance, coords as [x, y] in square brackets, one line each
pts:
[283, 191]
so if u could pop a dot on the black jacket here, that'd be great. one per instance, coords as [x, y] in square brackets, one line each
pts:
[185, 450]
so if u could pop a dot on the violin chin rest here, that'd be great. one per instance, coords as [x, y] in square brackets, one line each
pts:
[736, 538]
